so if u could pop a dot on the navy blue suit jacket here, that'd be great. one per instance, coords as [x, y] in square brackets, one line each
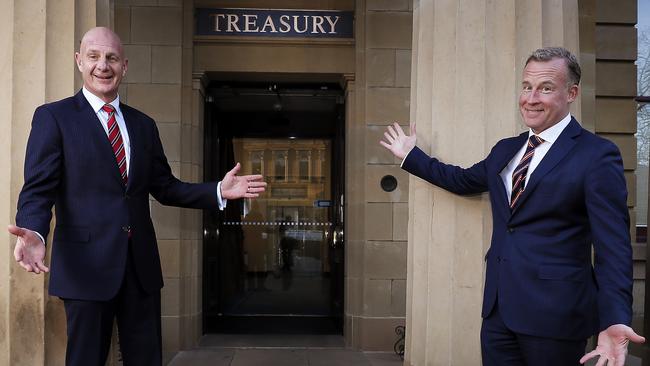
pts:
[70, 164]
[539, 263]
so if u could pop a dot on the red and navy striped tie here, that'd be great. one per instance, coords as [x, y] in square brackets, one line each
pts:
[115, 138]
[519, 175]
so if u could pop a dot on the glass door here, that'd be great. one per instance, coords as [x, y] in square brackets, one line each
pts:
[274, 264]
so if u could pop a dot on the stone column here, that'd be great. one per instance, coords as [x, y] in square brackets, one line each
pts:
[466, 73]
[39, 39]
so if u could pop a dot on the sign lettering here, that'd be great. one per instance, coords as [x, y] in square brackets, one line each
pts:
[274, 23]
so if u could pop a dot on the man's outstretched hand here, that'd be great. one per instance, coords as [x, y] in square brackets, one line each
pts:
[399, 143]
[29, 251]
[612, 345]
[244, 186]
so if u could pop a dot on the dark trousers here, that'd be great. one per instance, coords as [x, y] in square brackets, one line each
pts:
[502, 347]
[90, 326]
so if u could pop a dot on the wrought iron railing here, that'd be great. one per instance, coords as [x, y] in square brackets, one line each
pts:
[400, 330]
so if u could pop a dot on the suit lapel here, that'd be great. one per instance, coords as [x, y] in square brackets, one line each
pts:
[89, 121]
[558, 151]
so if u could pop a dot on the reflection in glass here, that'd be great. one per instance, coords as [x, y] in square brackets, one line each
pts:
[284, 235]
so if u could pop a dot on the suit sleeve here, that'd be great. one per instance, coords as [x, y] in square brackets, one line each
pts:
[606, 202]
[169, 190]
[43, 166]
[452, 178]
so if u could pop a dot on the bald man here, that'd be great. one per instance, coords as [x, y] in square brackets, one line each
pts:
[97, 160]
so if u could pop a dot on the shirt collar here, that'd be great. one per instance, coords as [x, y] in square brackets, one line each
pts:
[96, 103]
[552, 133]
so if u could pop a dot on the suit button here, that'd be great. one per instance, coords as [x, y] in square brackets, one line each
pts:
[498, 259]
[511, 229]
[126, 229]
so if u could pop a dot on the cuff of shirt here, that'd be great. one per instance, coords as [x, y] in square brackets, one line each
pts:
[220, 200]
[39, 235]
[407, 155]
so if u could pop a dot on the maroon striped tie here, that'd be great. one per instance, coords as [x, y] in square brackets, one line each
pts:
[519, 175]
[115, 138]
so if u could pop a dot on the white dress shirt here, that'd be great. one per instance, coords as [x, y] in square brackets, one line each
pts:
[96, 103]
[549, 136]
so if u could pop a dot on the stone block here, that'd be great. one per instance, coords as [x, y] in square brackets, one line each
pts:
[186, 143]
[378, 334]
[186, 293]
[631, 182]
[169, 257]
[377, 297]
[375, 152]
[162, 102]
[123, 23]
[387, 5]
[627, 146]
[353, 258]
[615, 79]
[387, 105]
[403, 68]
[615, 115]
[156, 25]
[122, 91]
[400, 221]
[136, 2]
[166, 221]
[374, 192]
[139, 70]
[385, 260]
[166, 64]
[170, 333]
[353, 295]
[619, 11]
[380, 67]
[170, 134]
[197, 145]
[398, 301]
[275, 58]
[379, 225]
[170, 3]
[170, 299]
[616, 42]
[389, 29]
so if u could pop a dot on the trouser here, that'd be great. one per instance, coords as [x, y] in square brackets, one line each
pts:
[90, 326]
[502, 347]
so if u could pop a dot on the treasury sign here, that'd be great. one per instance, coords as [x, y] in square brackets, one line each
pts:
[275, 23]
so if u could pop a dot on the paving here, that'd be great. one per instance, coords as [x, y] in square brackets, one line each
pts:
[280, 350]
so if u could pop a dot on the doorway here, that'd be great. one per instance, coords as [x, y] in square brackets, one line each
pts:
[275, 264]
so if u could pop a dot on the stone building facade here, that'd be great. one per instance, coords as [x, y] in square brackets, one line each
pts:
[414, 255]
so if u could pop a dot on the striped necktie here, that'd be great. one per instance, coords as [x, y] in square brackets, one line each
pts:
[115, 138]
[519, 175]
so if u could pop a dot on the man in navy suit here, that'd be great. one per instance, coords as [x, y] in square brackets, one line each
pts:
[97, 160]
[555, 191]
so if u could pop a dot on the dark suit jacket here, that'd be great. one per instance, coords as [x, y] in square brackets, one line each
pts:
[70, 164]
[539, 263]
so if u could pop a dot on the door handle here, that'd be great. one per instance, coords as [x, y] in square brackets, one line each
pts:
[337, 237]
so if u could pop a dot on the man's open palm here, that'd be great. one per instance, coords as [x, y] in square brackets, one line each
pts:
[399, 143]
[29, 251]
[612, 345]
